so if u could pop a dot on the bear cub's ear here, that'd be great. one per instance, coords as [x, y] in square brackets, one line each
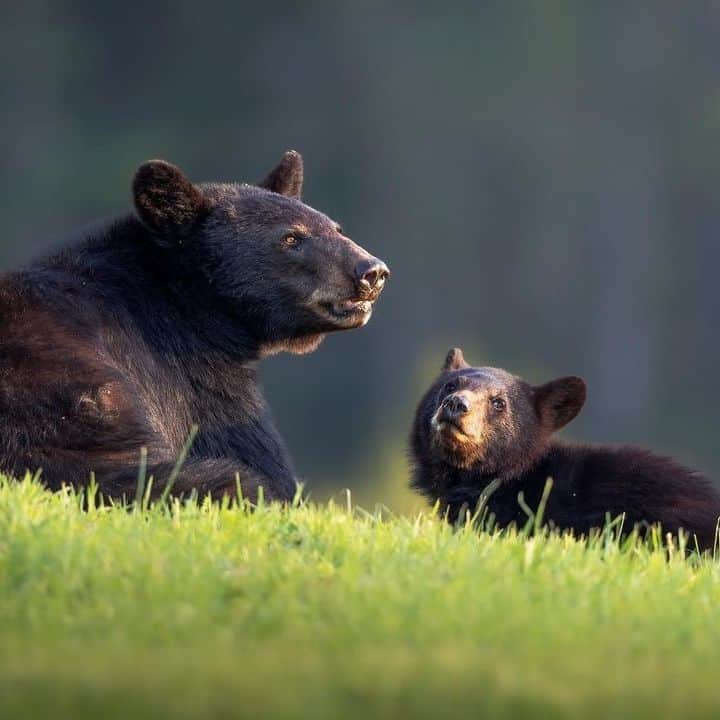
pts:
[454, 360]
[287, 178]
[167, 202]
[559, 401]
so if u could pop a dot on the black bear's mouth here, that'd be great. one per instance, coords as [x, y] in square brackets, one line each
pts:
[450, 428]
[348, 313]
[449, 432]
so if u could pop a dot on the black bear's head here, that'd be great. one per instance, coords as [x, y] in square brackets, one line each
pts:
[289, 271]
[489, 420]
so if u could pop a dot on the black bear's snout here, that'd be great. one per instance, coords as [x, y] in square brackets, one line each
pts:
[371, 275]
[454, 406]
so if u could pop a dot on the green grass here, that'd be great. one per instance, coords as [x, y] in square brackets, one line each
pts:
[321, 612]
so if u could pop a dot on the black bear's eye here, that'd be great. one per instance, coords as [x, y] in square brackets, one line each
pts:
[498, 404]
[451, 386]
[292, 240]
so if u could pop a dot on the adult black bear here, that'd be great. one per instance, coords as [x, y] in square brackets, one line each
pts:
[476, 425]
[154, 323]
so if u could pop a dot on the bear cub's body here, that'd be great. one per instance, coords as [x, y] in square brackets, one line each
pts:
[475, 426]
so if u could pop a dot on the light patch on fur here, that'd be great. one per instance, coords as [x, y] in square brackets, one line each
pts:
[434, 423]
[366, 319]
[316, 296]
[461, 448]
[458, 436]
[295, 346]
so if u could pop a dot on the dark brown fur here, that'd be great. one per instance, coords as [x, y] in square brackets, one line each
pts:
[155, 322]
[506, 435]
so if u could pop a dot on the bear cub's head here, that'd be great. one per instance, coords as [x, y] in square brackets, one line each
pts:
[288, 272]
[486, 420]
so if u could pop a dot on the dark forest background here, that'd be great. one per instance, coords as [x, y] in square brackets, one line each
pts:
[542, 178]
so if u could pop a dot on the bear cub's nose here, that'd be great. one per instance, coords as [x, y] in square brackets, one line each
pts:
[371, 275]
[455, 406]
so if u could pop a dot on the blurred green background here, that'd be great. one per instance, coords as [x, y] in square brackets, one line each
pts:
[542, 178]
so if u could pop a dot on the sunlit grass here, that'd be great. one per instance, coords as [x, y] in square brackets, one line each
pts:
[325, 611]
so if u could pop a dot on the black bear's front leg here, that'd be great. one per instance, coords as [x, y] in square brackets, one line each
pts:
[98, 429]
[214, 477]
[256, 448]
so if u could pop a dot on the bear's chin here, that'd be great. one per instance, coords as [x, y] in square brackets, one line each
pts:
[295, 346]
[457, 459]
[456, 452]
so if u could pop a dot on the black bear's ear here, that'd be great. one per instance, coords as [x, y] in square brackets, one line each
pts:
[166, 201]
[454, 360]
[287, 178]
[559, 401]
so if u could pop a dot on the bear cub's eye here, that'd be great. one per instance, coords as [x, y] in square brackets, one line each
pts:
[498, 404]
[451, 386]
[292, 240]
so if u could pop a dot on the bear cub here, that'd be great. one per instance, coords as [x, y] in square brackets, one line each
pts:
[478, 425]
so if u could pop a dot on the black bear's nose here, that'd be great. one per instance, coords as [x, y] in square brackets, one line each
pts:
[455, 406]
[372, 274]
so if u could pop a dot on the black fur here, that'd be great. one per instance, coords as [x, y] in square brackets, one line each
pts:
[455, 461]
[155, 322]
